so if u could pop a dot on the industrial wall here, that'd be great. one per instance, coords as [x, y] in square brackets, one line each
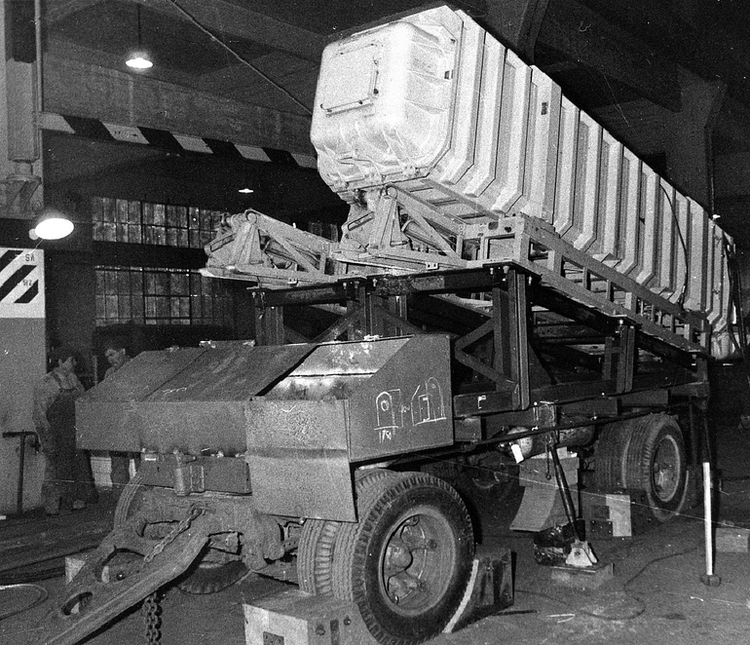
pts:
[22, 364]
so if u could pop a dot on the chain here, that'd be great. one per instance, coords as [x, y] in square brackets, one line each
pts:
[151, 608]
[151, 612]
[181, 527]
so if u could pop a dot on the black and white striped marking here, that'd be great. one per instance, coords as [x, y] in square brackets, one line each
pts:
[21, 283]
[166, 140]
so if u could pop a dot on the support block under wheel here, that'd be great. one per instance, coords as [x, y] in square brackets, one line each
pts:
[297, 618]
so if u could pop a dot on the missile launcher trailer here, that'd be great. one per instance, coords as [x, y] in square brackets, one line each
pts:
[511, 280]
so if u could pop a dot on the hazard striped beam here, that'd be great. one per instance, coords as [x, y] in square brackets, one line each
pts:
[171, 141]
[21, 283]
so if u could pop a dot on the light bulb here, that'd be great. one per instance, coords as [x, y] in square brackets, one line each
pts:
[139, 60]
[52, 228]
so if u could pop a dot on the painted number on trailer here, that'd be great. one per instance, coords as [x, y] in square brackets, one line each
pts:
[426, 405]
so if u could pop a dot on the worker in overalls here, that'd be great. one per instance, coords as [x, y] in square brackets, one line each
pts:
[68, 481]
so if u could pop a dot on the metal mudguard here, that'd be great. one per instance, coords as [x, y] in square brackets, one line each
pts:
[347, 402]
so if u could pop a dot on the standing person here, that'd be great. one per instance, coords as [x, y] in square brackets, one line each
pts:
[117, 355]
[68, 481]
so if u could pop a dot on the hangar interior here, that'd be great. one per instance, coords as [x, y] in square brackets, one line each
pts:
[147, 164]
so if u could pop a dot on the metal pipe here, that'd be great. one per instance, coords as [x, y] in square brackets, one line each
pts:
[707, 518]
[21, 466]
[709, 578]
[38, 64]
[564, 489]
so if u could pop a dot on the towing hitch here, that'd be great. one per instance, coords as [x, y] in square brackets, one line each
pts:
[135, 568]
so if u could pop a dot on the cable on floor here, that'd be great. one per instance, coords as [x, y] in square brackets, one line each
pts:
[11, 595]
[626, 606]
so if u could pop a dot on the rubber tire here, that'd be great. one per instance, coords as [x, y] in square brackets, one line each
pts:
[128, 500]
[609, 450]
[202, 578]
[315, 556]
[318, 540]
[656, 463]
[361, 549]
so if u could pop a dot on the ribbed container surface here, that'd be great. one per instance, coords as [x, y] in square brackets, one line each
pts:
[436, 106]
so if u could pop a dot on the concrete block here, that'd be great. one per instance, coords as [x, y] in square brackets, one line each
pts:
[607, 515]
[296, 618]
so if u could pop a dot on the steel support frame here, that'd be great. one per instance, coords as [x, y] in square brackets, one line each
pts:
[377, 305]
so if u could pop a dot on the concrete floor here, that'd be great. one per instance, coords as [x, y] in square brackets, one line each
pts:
[655, 596]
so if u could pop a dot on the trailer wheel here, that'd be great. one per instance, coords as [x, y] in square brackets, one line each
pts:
[610, 450]
[315, 556]
[655, 462]
[209, 577]
[318, 539]
[128, 500]
[407, 562]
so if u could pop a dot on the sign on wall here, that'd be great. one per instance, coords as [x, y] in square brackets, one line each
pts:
[21, 283]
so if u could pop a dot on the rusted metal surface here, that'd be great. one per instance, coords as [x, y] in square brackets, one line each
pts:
[189, 400]
[346, 402]
[141, 376]
[329, 404]
[224, 474]
[297, 452]
[90, 602]
[230, 374]
[407, 405]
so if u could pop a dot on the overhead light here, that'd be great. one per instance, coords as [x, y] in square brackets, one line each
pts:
[245, 191]
[139, 58]
[51, 225]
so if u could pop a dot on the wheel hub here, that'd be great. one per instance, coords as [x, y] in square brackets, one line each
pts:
[665, 474]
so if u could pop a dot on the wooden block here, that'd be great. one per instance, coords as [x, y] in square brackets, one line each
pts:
[296, 618]
[74, 563]
[601, 508]
[732, 539]
[619, 514]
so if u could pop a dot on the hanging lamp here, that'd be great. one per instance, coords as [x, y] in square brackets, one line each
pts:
[139, 58]
[51, 224]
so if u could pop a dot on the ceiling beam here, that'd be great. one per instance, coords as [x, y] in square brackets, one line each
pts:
[61, 9]
[238, 82]
[227, 19]
[733, 125]
[65, 49]
[703, 53]
[516, 23]
[86, 90]
[244, 84]
[733, 175]
[582, 35]
[221, 18]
